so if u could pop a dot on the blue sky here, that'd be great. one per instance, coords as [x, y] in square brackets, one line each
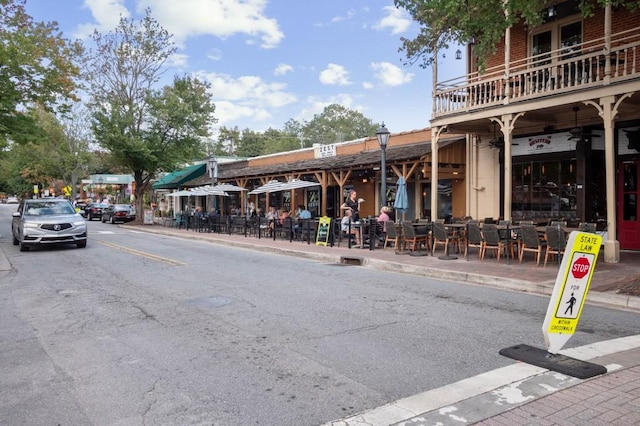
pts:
[270, 61]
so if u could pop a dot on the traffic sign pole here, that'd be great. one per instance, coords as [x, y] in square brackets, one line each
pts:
[570, 290]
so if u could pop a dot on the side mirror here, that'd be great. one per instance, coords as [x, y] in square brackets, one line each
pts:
[16, 214]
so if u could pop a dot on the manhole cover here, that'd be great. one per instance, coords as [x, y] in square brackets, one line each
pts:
[208, 302]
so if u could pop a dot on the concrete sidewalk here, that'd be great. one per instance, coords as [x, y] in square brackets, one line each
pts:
[520, 394]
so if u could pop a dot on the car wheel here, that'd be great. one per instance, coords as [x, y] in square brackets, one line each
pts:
[81, 244]
[102, 219]
[24, 247]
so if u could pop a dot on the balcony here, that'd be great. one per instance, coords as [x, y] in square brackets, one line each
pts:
[580, 67]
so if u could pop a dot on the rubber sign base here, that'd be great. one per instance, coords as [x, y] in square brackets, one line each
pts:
[554, 362]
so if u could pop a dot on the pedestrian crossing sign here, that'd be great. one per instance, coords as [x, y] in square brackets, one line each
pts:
[570, 290]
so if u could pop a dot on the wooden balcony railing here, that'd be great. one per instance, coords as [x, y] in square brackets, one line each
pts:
[579, 67]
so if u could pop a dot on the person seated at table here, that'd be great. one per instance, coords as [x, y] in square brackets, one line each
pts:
[303, 213]
[347, 225]
[383, 217]
[271, 216]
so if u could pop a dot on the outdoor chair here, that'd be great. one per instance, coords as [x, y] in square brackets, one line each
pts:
[530, 242]
[492, 240]
[307, 230]
[556, 243]
[442, 236]
[587, 227]
[474, 239]
[391, 235]
[414, 240]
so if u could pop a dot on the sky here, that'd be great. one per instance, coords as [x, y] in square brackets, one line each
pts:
[272, 61]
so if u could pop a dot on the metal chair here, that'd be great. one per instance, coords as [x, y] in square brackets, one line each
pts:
[492, 240]
[441, 236]
[474, 239]
[530, 242]
[414, 240]
[391, 235]
[556, 243]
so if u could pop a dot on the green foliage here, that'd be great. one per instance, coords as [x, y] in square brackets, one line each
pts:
[337, 124]
[36, 68]
[445, 22]
[145, 129]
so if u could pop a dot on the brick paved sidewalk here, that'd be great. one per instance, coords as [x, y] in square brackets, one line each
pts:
[610, 399]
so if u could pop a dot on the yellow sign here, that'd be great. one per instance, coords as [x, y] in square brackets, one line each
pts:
[570, 290]
[324, 231]
[35, 189]
[67, 190]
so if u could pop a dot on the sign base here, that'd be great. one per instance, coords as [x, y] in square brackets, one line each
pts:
[554, 362]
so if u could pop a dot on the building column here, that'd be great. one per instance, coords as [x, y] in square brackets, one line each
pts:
[608, 109]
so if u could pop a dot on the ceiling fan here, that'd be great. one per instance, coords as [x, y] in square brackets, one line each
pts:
[578, 132]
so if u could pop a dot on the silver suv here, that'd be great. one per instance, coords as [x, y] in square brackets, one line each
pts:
[45, 221]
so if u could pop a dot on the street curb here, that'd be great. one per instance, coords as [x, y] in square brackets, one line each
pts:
[544, 288]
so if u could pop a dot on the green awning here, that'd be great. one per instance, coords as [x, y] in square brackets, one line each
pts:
[176, 179]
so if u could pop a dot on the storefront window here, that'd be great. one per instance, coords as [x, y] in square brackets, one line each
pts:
[544, 188]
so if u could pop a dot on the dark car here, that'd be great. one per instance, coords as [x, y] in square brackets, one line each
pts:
[45, 221]
[118, 213]
[94, 210]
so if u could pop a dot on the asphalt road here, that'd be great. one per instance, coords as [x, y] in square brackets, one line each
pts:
[147, 329]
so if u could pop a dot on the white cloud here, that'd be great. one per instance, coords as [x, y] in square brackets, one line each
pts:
[350, 14]
[315, 105]
[390, 75]
[335, 75]
[367, 85]
[246, 97]
[282, 69]
[397, 20]
[214, 54]
[219, 18]
[106, 13]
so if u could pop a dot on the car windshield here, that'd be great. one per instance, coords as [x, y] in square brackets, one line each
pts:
[46, 208]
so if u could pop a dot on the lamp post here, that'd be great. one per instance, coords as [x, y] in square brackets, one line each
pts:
[100, 180]
[383, 139]
[212, 165]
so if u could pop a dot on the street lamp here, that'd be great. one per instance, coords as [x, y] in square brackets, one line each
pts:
[100, 180]
[383, 139]
[212, 164]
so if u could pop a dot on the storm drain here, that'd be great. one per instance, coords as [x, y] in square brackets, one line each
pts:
[208, 302]
[345, 260]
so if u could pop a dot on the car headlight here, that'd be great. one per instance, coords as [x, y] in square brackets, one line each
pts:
[79, 223]
[31, 225]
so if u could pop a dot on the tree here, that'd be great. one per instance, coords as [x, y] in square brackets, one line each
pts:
[279, 141]
[36, 67]
[337, 124]
[145, 130]
[443, 22]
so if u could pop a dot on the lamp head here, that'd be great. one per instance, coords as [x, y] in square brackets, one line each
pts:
[383, 136]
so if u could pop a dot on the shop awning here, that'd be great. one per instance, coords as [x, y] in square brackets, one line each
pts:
[176, 179]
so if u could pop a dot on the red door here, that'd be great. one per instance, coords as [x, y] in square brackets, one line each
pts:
[628, 209]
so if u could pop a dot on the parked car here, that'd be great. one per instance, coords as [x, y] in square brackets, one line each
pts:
[12, 200]
[94, 210]
[118, 213]
[45, 221]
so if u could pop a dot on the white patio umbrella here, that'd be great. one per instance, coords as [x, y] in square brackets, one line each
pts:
[271, 186]
[229, 187]
[297, 184]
